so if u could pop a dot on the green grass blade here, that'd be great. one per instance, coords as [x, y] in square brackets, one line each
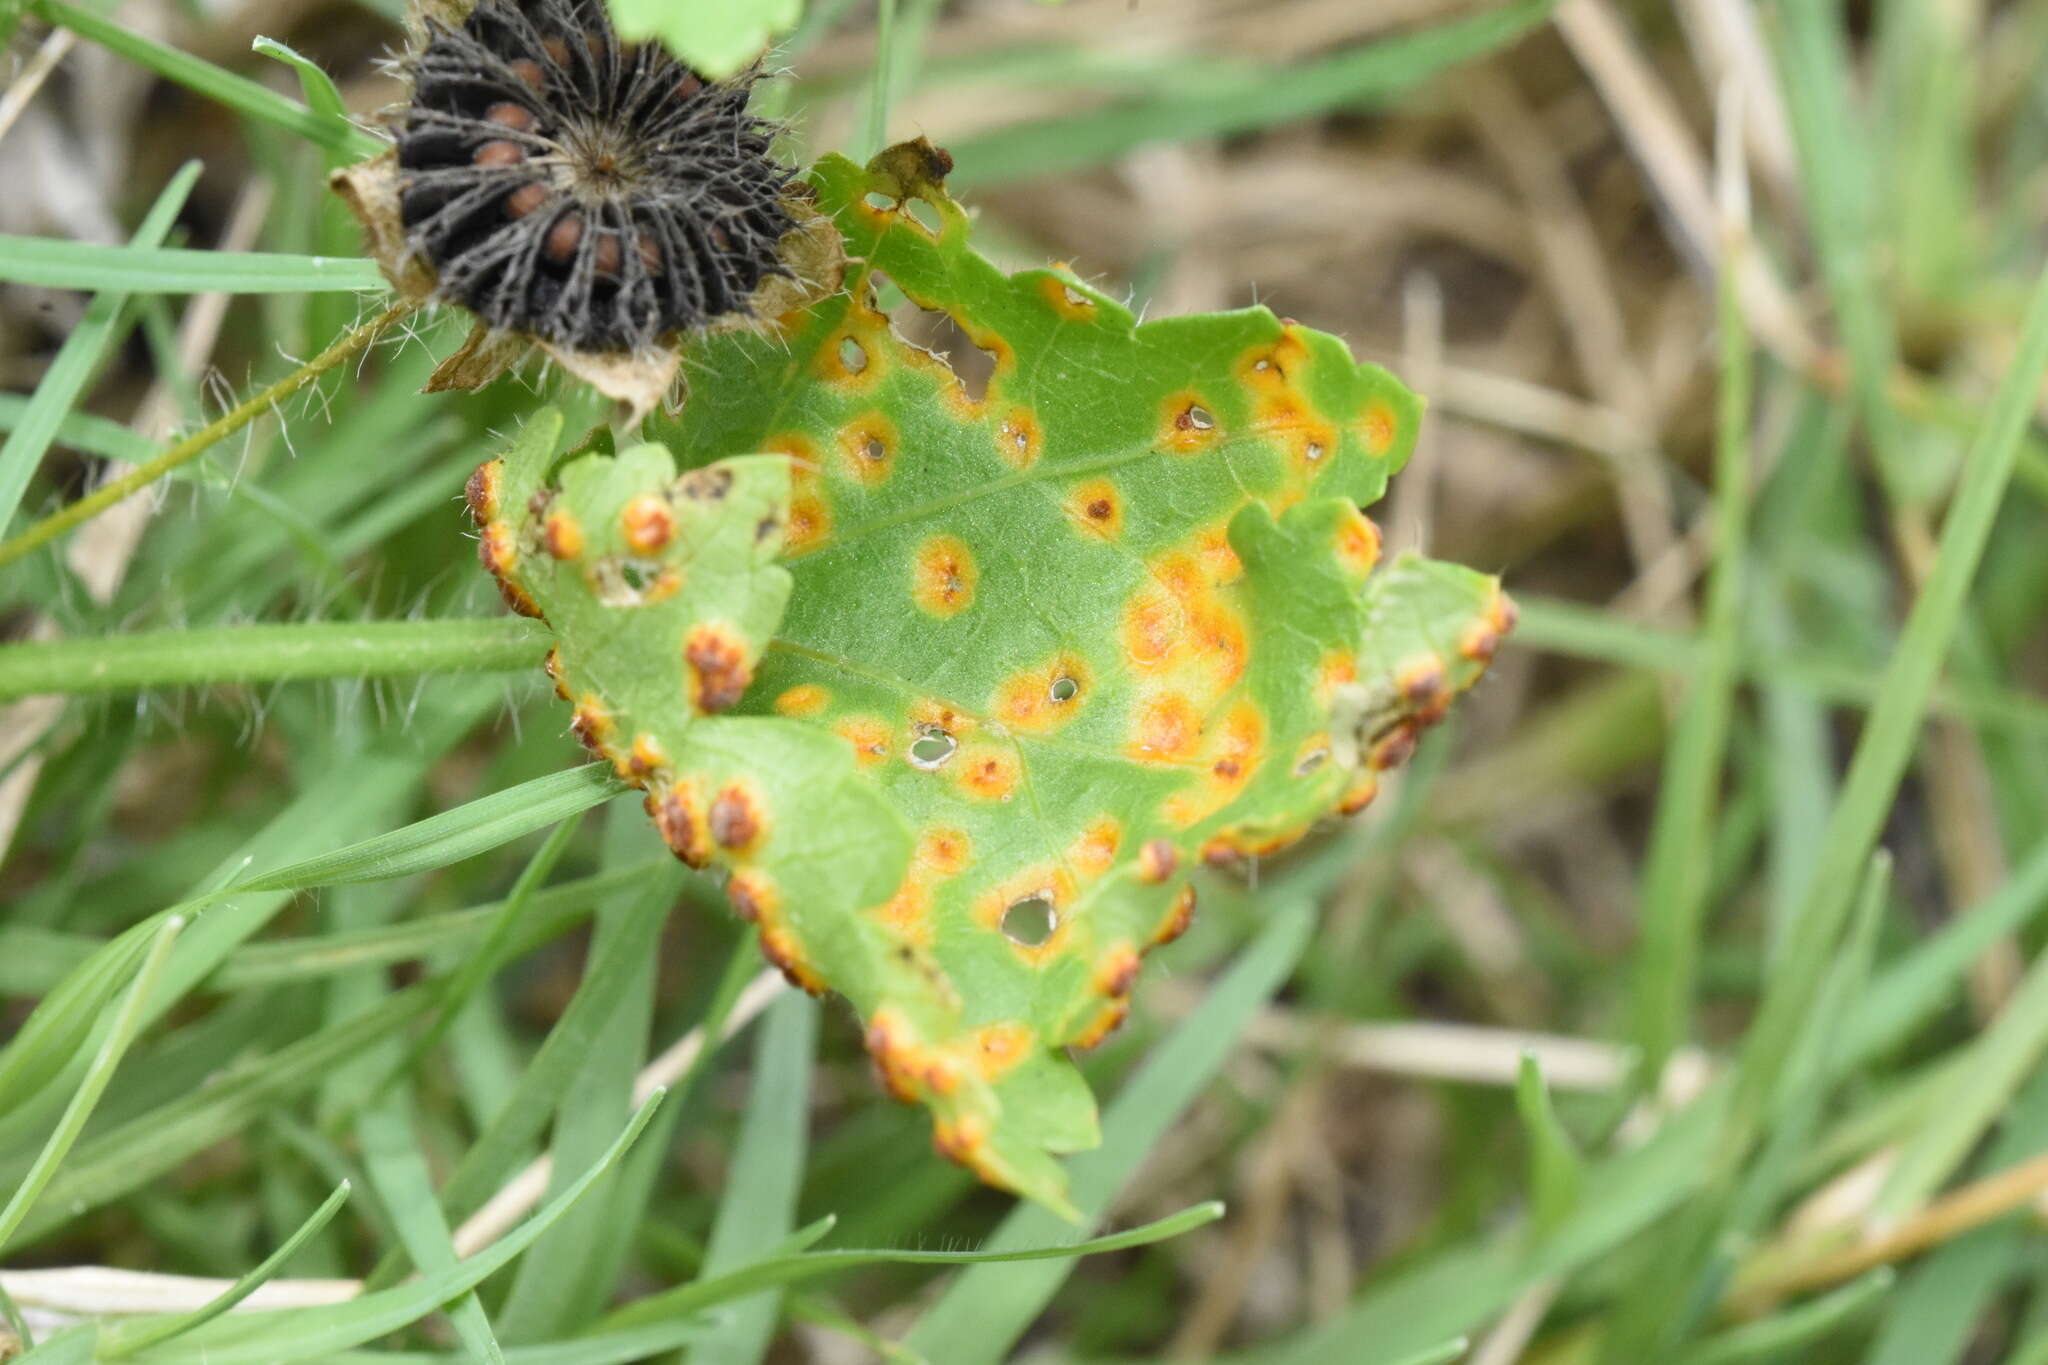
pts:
[1774, 1337]
[55, 264]
[203, 78]
[758, 1205]
[1556, 1171]
[1371, 74]
[1894, 726]
[318, 1333]
[982, 1314]
[449, 837]
[126, 1023]
[1675, 872]
[795, 1269]
[79, 359]
[127, 1339]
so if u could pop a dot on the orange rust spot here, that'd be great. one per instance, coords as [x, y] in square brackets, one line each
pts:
[1220, 564]
[718, 668]
[1393, 748]
[928, 713]
[1043, 698]
[941, 1073]
[1168, 728]
[1049, 882]
[645, 758]
[1106, 1021]
[563, 534]
[869, 737]
[592, 723]
[907, 912]
[666, 584]
[1096, 509]
[1177, 918]
[1153, 626]
[1239, 749]
[482, 492]
[867, 448]
[1094, 852]
[1181, 574]
[851, 359]
[889, 1042]
[805, 699]
[810, 524]
[679, 816]
[987, 771]
[649, 523]
[1116, 971]
[1019, 439]
[810, 519]
[961, 1140]
[943, 576]
[944, 850]
[1157, 860]
[1337, 670]
[735, 819]
[1359, 794]
[1425, 687]
[780, 946]
[1221, 644]
[1187, 424]
[553, 665]
[999, 1047]
[499, 550]
[1358, 544]
[1070, 303]
[1381, 426]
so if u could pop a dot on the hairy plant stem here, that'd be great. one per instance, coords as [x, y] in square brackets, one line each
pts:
[199, 442]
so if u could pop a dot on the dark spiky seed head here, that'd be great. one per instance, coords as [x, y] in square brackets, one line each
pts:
[598, 194]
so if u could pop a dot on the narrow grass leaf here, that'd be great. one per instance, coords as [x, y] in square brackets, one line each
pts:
[317, 1333]
[64, 383]
[451, 836]
[149, 269]
[1893, 729]
[758, 1204]
[794, 1269]
[1556, 1171]
[97, 1075]
[128, 1338]
[1776, 1337]
[203, 78]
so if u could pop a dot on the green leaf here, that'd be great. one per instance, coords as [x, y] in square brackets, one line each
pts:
[57, 264]
[79, 360]
[1556, 1171]
[925, 666]
[717, 40]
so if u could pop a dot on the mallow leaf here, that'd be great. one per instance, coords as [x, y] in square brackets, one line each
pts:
[960, 685]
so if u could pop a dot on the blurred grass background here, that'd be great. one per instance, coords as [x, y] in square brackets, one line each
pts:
[1727, 314]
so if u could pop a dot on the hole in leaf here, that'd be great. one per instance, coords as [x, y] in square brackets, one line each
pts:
[931, 749]
[878, 200]
[1311, 761]
[936, 332]
[1198, 418]
[1065, 689]
[873, 451]
[1315, 450]
[927, 216]
[853, 356]
[1031, 921]
[637, 574]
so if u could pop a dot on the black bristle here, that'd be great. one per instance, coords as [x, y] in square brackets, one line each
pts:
[596, 194]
